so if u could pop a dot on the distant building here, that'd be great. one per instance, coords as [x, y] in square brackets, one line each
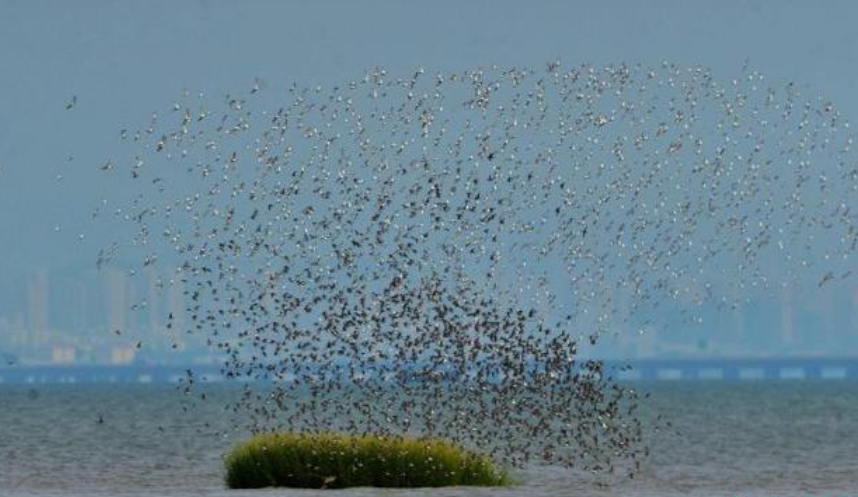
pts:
[787, 334]
[38, 305]
[7, 337]
[122, 355]
[79, 306]
[116, 299]
[855, 312]
[155, 295]
[63, 355]
[177, 304]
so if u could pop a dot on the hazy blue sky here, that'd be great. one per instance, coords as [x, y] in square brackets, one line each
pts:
[125, 59]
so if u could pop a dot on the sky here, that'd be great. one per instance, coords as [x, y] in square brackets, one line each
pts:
[120, 60]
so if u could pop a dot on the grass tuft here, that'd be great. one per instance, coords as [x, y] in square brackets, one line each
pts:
[334, 460]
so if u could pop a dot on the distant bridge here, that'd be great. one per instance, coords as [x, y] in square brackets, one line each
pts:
[816, 368]
[107, 374]
[765, 368]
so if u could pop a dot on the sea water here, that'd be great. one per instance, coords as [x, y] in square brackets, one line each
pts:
[766, 438]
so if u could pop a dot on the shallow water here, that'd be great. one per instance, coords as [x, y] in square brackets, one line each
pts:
[729, 438]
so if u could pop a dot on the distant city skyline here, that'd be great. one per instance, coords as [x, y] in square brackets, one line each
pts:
[118, 75]
[80, 326]
[103, 321]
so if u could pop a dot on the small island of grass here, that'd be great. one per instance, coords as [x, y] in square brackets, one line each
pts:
[333, 460]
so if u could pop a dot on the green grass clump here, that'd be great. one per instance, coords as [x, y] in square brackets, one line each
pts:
[333, 460]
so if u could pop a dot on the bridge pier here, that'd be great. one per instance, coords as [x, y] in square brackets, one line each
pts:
[730, 373]
[644, 369]
[813, 372]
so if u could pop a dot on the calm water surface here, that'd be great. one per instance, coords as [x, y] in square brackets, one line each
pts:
[749, 439]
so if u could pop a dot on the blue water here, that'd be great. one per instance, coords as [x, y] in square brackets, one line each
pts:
[729, 438]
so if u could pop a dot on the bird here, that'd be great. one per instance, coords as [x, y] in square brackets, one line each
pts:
[383, 252]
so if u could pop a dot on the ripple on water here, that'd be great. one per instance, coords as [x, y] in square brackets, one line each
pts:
[765, 438]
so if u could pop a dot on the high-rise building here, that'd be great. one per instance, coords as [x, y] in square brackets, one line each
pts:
[37, 303]
[79, 316]
[787, 334]
[7, 339]
[132, 300]
[739, 320]
[12, 336]
[177, 303]
[855, 312]
[20, 331]
[176, 321]
[156, 290]
[116, 287]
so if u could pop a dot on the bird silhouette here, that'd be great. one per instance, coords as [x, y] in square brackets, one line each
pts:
[432, 253]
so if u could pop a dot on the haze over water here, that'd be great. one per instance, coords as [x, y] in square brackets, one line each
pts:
[73, 75]
[749, 439]
[121, 61]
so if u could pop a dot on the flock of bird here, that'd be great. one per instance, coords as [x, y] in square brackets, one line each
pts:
[431, 253]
